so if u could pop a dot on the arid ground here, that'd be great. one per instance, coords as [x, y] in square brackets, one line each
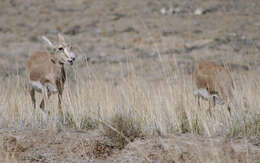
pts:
[129, 95]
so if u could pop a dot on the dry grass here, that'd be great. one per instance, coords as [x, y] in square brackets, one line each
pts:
[134, 108]
[150, 107]
[130, 106]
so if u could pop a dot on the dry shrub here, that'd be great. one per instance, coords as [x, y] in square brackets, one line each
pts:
[88, 123]
[85, 122]
[69, 121]
[252, 126]
[249, 125]
[127, 126]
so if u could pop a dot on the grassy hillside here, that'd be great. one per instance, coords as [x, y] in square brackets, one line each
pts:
[129, 96]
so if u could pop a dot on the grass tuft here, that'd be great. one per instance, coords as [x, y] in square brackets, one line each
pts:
[127, 127]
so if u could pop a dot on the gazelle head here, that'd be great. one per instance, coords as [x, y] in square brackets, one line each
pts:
[62, 51]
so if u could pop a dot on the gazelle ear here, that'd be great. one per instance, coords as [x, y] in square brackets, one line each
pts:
[61, 38]
[45, 39]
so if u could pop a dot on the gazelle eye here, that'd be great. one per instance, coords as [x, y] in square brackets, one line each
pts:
[61, 49]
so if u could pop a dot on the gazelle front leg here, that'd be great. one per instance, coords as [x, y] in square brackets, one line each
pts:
[59, 104]
[198, 100]
[42, 105]
[60, 87]
[211, 100]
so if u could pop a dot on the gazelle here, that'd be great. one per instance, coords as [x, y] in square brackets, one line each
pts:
[46, 71]
[213, 82]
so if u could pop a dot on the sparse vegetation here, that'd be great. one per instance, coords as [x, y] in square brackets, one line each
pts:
[135, 107]
[127, 126]
[129, 96]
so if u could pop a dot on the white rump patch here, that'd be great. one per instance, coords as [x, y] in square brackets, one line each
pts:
[37, 85]
[205, 95]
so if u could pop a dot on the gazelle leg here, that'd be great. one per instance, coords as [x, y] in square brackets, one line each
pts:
[42, 105]
[229, 109]
[214, 101]
[44, 102]
[59, 103]
[209, 109]
[60, 87]
[197, 96]
[32, 93]
[199, 101]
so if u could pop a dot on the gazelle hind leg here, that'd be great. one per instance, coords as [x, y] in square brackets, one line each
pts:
[32, 94]
[44, 104]
[196, 96]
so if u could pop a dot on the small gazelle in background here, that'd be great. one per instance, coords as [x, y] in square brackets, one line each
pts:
[213, 82]
[46, 71]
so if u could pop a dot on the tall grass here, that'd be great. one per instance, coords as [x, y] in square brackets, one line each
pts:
[135, 106]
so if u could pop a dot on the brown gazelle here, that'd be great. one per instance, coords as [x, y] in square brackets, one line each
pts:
[213, 82]
[46, 71]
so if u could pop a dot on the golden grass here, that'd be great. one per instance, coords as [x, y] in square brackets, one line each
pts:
[163, 107]
[134, 107]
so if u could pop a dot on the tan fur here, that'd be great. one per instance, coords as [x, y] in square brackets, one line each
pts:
[46, 72]
[216, 80]
[40, 67]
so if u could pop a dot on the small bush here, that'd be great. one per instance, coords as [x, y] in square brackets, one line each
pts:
[69, 120]
[126, 125]
[249, 126]
[252, 125]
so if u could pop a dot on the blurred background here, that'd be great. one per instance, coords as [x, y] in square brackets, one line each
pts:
[156, 37]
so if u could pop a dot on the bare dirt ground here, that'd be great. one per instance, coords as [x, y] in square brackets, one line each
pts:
[80, 146]
[115, 34]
